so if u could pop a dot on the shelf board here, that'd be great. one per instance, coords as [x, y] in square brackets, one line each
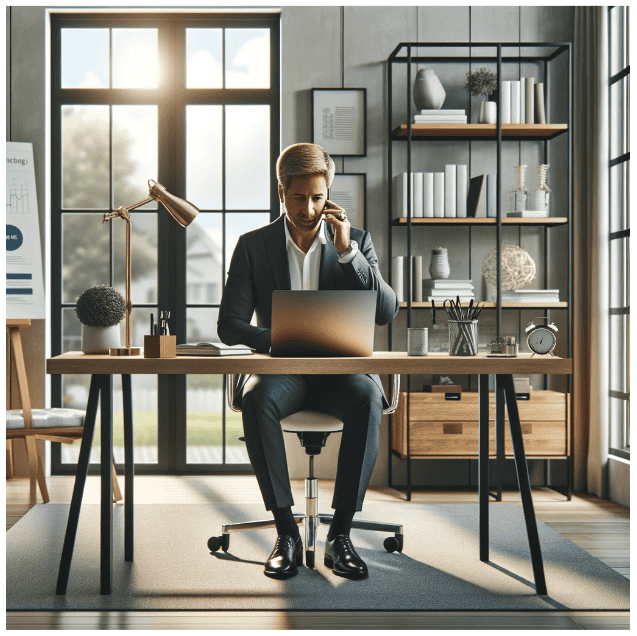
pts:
[481, 131]
[548, 221]
[492, 305]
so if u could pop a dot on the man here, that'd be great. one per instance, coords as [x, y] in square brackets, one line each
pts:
[297, 252]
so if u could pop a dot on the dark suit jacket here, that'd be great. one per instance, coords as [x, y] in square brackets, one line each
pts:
[259, 265]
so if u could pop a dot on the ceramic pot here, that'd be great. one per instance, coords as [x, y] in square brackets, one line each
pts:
[439, 266]
[488, 113]
[428, 92]
[98, 340]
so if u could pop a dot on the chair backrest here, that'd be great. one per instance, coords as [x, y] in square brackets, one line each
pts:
[231, 387]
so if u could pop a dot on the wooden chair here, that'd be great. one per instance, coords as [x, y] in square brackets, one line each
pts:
[55, 425]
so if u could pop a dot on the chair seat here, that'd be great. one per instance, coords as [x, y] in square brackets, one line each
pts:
[47, 418]
[311, 422]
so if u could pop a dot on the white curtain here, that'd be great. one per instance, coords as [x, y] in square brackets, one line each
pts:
[591, 251]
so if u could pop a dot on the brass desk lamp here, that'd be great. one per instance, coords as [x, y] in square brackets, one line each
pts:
[181, 210]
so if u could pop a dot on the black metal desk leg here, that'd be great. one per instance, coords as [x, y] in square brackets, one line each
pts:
[78, 487]
[483, 466]
[106, 530]
[499, 439]
[129, 468]
[506, 382]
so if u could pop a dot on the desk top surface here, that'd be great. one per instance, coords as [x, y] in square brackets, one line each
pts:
[382, 362]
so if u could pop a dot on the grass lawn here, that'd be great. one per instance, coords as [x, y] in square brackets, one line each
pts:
[204, 429]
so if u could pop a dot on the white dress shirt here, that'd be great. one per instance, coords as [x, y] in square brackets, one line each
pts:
[305, 268]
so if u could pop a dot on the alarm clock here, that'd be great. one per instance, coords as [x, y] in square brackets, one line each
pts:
[541, 338]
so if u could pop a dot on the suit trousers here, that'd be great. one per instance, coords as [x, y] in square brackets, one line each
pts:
[355, 399]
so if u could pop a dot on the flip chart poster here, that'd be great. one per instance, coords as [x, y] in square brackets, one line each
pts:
[25, 289]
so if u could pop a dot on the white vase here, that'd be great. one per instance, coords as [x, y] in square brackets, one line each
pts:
[439, 266]
[98, 340]
[488, 113]
[428, 92]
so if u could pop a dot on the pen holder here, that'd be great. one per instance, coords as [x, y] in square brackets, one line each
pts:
[417, 341]
[463, 337]
[160, 346]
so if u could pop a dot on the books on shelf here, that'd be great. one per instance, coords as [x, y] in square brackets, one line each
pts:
[433, 194]
[439, 290]
[540, 113]
[531, 296]
[212, 349]
[447, 283]
[449, 116]
[505, 103]
[400, 278]
[529, 214]
[529, 94]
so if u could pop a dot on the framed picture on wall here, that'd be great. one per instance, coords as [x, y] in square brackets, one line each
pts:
[349, 191]
[339, 120]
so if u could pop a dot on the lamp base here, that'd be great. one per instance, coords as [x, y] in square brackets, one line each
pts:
[125, 351]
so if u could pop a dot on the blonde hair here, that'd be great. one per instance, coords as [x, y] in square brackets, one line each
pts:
[304, 160]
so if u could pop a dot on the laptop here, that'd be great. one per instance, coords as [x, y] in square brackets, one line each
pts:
[323, 323]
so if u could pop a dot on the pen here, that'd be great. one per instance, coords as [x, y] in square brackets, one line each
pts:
[433, 312]
[152, 330]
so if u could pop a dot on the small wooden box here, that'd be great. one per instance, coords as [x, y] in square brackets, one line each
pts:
[160, 346]
[441, 428]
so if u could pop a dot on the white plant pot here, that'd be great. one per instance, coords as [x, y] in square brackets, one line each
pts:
[488, 113]
[428, 92]
[439, 266]
[98, 340]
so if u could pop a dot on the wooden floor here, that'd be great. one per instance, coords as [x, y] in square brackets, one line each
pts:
[599, 527]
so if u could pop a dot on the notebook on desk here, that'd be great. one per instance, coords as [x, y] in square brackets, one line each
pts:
[323, 323]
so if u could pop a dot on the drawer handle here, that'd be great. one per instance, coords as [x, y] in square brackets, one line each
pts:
[453, 396]
[452, 428]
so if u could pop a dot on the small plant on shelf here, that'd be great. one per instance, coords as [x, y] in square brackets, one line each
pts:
[484, 82]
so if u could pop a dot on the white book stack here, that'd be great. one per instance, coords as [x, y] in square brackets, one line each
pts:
[438, 116]
[529, 214]
[439, 290]
[433, 194]
[535, 296]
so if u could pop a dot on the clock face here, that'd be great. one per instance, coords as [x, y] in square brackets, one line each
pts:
[542, 340]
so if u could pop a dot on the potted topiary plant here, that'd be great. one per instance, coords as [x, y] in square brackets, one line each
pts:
[100, 309]
[484, 82]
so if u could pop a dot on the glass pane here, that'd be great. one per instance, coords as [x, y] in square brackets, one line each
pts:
[85, 59]
[135, 58]
[85, 254]
[248, 157]
[238, 224]
[201, 325]
[618, 119]
[85, 157]
[134, 154]
[143, 257]
[617, 44]
[71, 341]
[619, 272]
[144, 390]
[204, 401]
[204, 240]
[617, 197]
[204, 183]
[203, 58]
[236, 452]
[247, 58]
[618, 353]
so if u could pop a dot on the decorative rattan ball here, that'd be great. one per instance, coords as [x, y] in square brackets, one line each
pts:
[518, 268]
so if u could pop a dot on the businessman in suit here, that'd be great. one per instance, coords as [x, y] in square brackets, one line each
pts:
[297, 252]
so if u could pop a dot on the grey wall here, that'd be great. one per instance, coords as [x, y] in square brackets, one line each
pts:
[348, 47]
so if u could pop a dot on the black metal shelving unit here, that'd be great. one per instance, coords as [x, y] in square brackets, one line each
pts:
[406, 54]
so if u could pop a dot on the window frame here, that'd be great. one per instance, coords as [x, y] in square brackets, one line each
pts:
[619, 431]
[171, 97]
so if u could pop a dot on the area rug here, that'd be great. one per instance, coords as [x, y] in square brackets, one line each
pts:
[439, 568]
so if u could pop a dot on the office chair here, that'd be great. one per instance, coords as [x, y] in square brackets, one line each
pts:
[312, 429]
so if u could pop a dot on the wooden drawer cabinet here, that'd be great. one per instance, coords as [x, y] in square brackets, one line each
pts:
[443, 428]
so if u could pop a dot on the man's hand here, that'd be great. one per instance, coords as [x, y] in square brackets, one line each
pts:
[341, 225]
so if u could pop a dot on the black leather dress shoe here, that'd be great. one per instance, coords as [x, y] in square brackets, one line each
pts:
[341, 556]
[287, 554]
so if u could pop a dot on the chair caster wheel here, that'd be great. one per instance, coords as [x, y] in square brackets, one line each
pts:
[309, 559]
[223, 542]
[394, 544]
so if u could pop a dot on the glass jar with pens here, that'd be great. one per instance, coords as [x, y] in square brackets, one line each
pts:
[463, 327]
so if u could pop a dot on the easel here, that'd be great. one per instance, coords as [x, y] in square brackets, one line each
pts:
[64, 434]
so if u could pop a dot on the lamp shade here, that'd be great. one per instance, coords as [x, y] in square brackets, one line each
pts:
[181, 210]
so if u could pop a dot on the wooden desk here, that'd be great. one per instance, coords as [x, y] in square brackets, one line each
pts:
[102, 368]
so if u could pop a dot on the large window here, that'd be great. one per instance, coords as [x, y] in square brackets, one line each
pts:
[619, 302]
[191, 101]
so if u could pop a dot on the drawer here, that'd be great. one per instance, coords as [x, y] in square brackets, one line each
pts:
[445, 429]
